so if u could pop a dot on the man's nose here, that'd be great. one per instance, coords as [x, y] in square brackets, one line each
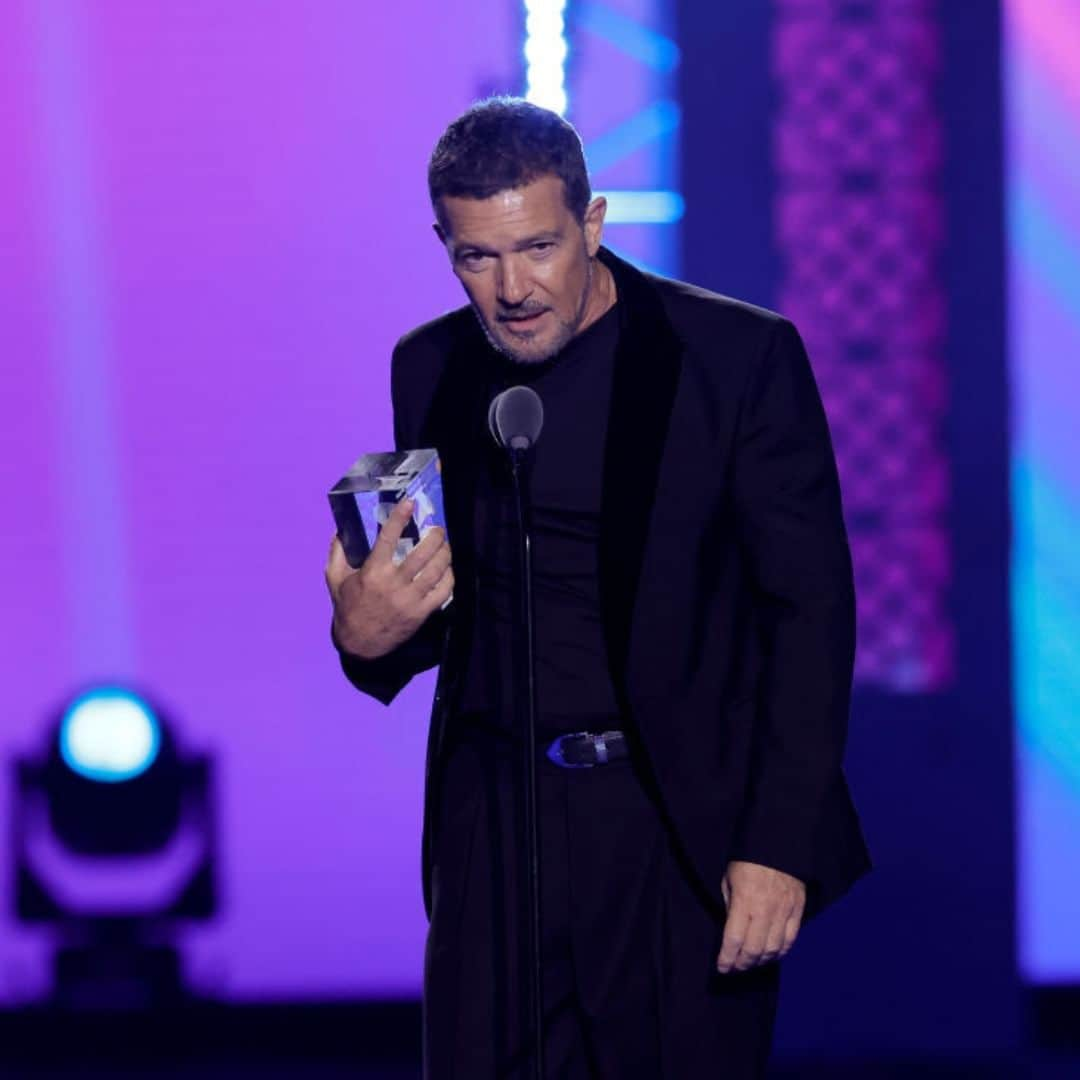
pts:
[513, 284]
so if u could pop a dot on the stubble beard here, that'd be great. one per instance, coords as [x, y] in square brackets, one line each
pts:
[567, 329]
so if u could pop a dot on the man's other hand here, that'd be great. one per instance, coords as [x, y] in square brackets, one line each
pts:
[379, 605]
[764, 912]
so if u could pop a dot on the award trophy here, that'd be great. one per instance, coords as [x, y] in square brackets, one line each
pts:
[363, 498]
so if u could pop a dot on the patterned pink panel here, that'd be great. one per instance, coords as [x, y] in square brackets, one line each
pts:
[857, 155]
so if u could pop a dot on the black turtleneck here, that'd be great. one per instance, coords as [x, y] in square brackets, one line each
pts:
[574, 689]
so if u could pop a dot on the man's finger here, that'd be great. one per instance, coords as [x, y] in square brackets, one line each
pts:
[389, 535]
[432, 571]
[442, 592]
[774, 942]
[433, 542]
[735, 930]
[753, 947]
[337, 566]
[791, 932]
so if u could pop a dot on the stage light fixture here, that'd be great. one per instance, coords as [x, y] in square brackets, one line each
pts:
[109, 735]
[114, 842]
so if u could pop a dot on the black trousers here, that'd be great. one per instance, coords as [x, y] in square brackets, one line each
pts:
[631, 990]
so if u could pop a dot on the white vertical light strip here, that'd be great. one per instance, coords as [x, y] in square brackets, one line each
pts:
[546, 50]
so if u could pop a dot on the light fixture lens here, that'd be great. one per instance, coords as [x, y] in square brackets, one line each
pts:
[109, 735]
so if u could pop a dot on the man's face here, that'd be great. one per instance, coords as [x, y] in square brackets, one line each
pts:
[526, 264]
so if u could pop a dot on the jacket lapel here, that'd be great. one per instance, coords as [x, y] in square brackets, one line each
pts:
[647, 366]
[456, 423]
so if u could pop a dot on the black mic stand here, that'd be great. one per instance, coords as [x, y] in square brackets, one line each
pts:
[525, 683]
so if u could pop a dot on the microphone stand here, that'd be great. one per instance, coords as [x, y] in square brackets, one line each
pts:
[526, 707]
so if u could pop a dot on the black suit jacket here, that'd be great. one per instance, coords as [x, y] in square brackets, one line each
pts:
[725, 577]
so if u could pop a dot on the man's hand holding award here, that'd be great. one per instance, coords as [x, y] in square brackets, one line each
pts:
[381, 604]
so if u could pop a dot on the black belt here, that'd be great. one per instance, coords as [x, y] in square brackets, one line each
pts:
[583, 750]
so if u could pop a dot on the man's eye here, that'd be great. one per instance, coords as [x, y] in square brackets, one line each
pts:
[543, 245]
[473, 259]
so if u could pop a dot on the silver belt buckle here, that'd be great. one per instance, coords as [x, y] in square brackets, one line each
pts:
[555, 751]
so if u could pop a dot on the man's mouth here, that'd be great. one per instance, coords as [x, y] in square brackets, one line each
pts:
[523, 321]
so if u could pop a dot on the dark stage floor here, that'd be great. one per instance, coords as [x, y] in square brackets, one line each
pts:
[333, 1042]
[297, 1070]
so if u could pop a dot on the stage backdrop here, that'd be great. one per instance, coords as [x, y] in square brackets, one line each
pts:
[213, 227]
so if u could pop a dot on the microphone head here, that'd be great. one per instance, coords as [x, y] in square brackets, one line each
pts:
[515, 417]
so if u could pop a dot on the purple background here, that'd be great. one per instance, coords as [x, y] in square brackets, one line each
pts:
[213, 226]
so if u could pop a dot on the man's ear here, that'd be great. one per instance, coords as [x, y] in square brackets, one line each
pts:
[444, 241]
[594, 224]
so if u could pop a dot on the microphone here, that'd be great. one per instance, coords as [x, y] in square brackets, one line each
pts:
[515, 418]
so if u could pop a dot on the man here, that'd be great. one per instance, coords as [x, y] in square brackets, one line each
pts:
[694, 635]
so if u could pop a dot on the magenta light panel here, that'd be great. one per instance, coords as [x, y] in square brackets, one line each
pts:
[858, 218]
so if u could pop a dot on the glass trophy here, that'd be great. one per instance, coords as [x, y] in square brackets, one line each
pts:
[363, 498]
